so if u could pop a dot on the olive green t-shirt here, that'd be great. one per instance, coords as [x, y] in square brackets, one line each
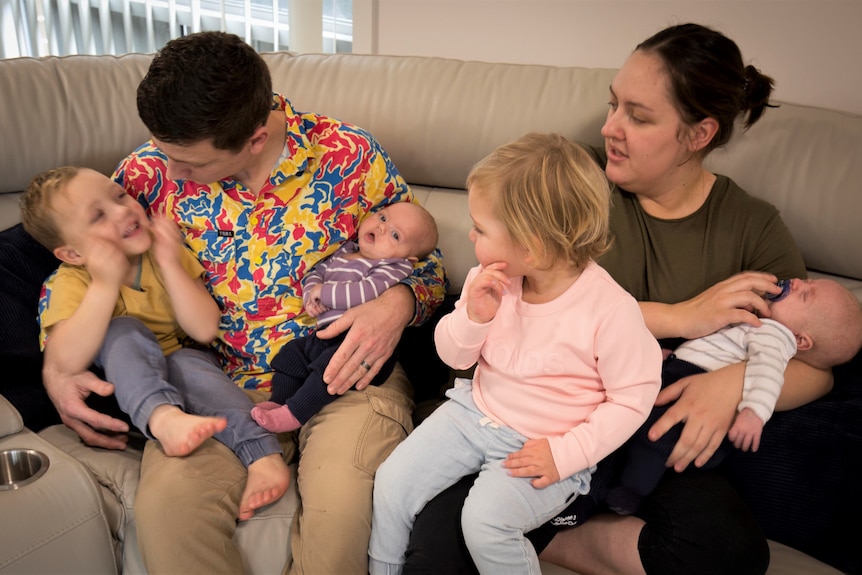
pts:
[669, 261]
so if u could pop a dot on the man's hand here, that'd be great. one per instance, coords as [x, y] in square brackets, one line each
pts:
[534, 459]
[706, 404]
[68, 393]
[374, 328]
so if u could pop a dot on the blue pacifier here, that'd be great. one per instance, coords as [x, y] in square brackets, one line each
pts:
[785, 291]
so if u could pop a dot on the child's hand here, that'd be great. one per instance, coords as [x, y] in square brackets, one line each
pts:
[311, 299]
[166, 241]
[486, 291]
[105, 262]
[534, 460]
[746, 430]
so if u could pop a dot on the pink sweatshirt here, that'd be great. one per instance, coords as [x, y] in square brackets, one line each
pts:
[582, 370]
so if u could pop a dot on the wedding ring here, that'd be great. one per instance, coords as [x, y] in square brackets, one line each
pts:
[364, 365]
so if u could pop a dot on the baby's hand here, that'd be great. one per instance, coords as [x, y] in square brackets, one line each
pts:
[313, 306]
[166, 240]
[486, 291]
[534, 460]
[746, 430]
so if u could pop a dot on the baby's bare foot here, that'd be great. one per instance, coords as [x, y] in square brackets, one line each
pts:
[268, 479]
[179, 432]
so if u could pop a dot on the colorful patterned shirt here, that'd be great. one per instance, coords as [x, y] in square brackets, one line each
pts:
[256, 249]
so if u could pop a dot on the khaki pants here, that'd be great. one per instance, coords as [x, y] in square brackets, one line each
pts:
[186, 507]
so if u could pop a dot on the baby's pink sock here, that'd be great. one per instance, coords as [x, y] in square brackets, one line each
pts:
[274, 417]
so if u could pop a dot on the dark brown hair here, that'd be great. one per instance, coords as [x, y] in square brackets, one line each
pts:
[206, 86]
[708, 79]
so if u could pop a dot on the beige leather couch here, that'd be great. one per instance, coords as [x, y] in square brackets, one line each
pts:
[435, 117]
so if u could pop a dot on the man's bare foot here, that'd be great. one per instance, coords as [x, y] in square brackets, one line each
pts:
[268, 479]
[179, 432]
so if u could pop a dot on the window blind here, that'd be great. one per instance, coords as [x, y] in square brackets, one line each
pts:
[62, 27]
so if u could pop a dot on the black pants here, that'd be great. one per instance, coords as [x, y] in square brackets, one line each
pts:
[695, 523]
[643, 465]
[297, 379]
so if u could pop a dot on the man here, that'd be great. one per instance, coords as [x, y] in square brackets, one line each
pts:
[261, 193]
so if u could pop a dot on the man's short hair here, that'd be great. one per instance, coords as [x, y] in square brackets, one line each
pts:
[206, 86]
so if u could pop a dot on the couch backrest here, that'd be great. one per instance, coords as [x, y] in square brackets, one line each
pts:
[77, 110]
[436, 117]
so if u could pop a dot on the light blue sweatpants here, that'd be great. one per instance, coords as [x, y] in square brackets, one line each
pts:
[458, 440]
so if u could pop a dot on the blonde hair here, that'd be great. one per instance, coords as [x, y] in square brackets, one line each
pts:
[35, 204]
[552, 197]
[836, 331]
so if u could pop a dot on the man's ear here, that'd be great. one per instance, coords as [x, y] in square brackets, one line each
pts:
[702, 134]
[258, 139]
[804, 342]
[69, 255]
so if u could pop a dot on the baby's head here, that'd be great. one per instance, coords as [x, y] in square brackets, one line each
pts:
[826, 319]
[399, 230]
[551, 197]
[68, 209]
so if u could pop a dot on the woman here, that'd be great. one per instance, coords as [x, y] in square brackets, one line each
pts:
[684, 238]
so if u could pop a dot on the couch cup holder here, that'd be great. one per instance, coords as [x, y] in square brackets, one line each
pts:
[18, 467]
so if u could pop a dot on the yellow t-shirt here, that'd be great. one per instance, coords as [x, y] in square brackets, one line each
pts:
[150, 304]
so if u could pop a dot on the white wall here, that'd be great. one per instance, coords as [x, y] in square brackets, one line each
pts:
[812, 48]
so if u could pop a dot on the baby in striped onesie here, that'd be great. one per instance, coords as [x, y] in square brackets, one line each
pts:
[389, 242]
[817, 321]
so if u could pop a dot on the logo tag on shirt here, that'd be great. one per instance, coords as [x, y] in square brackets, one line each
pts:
[225, 233]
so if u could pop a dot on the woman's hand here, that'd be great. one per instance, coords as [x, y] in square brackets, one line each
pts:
[706, 404]
[737, 299]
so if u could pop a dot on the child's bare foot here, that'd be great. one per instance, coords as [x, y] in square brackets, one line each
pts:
[268, 479]
[179, 432]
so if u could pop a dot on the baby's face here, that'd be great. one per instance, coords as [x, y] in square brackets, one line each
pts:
[806, 299]
[93, 208]
[391, 232]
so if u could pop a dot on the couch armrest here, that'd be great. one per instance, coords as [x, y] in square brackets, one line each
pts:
[116, 474]
[264, 539]
[10, 419]
[54, 524]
